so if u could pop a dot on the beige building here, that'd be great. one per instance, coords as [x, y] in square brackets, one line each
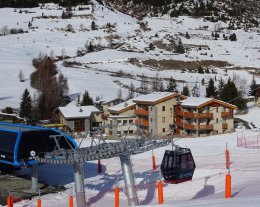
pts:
[80, 118]
[121, 121]
[154, 112]
[196, 116]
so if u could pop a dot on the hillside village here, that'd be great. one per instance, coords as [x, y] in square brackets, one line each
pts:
[185, 70]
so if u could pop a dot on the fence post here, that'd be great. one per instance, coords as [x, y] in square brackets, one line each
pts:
[71, 201]
[154, 163]
[116, 191]
[228, 186]
[160, 192]
[99, 166]
[39, 202]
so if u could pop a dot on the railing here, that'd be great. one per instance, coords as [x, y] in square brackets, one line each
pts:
[141, 112]
[225, 114]
[142, 122]
[192, 115]
[195, 127]
[224, 126]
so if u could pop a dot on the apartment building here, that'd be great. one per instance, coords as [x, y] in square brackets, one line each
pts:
[154, 112]
[196, 116]
[121, 121]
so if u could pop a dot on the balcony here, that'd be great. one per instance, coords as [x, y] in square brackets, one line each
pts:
[191, 115]
[225, 114]
[142, 122]
[224, 126]
[141, 112]
[195, 127]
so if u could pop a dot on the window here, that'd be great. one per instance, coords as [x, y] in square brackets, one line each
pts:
[79, 125]
[217, 120]
[119, 121]
[163, 108]
[163, 119]
[131, 121]
[124, 121]
[151, 108]
[217, 109]
[131, 131]
[151, 120]
[163, 130]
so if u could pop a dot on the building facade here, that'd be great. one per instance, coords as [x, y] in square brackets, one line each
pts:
[80, 118]
[121, 121]
[154, 113]
[203, 116]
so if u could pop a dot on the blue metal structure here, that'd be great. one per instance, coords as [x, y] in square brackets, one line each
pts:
[19, 144]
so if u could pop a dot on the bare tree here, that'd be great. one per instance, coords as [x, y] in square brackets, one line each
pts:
[4, 30]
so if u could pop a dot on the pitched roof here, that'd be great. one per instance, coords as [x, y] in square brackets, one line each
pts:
[155, 97]
[122, 106]
[198, 102]
[78, 111]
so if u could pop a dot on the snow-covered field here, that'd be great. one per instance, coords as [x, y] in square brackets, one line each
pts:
[48, 36]
[206, 188]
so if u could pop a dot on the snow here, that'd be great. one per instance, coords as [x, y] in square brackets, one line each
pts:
[252, 116]
[153, 97]
[206, 188]
[122, 106]
[195, 101]
[78, 111]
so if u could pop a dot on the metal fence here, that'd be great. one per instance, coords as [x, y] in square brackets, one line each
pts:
[249, 142]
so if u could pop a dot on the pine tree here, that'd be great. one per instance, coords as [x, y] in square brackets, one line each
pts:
[185, 91]
[179, 48]
[220, 87]
[172, 86]
[93, 25]
[231, 95]
[202, 81]
[86, 99]
[187, 35]
[211, 91]
[200, 70]
[253, 87]
[26, 105]
[195, 91]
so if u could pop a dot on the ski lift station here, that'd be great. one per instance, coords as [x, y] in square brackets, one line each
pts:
[20, 144]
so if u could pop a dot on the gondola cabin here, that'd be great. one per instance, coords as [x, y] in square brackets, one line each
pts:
[19, 144]
[177, 165]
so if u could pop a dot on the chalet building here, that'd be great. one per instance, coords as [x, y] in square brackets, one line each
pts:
[121, 119]
[10, 118]
[80, 118]
[105, 104]
[203, 116]
[154, 112]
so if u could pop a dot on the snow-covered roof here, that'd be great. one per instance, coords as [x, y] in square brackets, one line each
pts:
[122, 106]
[195, 101]
[78, 111]
[153, 97]
[198, 101]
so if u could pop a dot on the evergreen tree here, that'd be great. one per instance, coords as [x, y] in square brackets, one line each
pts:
[26, 105]
[93, 25]
[185, 91]
[253, 87]
[86, 99]
[179, 48]
[187, 35]
[211, 91]
[200, 70]
[231, 95]
[220, 87]
[202, 81]
[195, 91]
[172, 86]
